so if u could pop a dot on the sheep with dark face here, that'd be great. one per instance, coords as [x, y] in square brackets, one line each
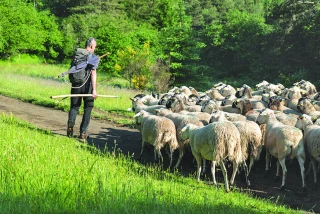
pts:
[159, 132]
[215, 142]
[256, 101]
[178, 103]
[282, 141]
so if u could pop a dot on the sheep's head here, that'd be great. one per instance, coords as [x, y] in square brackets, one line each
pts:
[265, 115]
[209, 106]
[305, 103]
[185, 132]
[218, 116]
[303, 121]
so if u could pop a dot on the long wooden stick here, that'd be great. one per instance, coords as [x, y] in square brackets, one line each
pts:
[81, 95]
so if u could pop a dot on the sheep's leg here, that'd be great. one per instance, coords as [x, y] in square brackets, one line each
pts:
[199, 160]
[301, 164]
[267, 169]
[170, 156]
[213, 172]
[246, 172]
[225, 176]
[235, 167]
[250, 164]
[277, 178]
[158, 151]
[181, 152]
[204, 167]
[282, 162]
[142, 147]
[315, 171]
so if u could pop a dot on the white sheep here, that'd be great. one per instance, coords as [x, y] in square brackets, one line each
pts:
[250, 139]
[159, 132]
[311, 140]
[215, 142]
[138, 104]
[306, 106]
[179, 120]
[282, 141]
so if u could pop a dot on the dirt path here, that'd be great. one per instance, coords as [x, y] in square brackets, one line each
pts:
[104, 133]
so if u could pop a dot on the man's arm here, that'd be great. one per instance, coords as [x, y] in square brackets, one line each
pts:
[94, 83]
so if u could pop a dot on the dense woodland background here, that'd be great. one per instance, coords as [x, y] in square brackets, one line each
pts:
[158, 43]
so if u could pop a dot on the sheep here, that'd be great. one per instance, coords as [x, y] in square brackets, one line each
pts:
[204, 117]
[158, 131]
[227, 91]
[228, 100]
[294, 94]
[311, 141]
[250, 139]
[246, 109]
[215, 94]
[177, 104]
[306, 106]
[282, 141]
[179, 120]
[149, 100]
[256, 101]
[215, 142]
[231, 116]
[307, 86]
[138, 105]
[210, 106]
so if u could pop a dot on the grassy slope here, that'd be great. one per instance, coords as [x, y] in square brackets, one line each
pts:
[43, 173]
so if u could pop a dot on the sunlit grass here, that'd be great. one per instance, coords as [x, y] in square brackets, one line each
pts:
[44, 173]
[37, 83]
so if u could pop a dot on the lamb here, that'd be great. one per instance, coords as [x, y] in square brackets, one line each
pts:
[230, 116]
[282, 141]
[215, 142]
[158, 131]
[311, 141]
[179, 121]
[250, 139]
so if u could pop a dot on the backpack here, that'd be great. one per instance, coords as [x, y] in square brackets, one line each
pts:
[81, 76]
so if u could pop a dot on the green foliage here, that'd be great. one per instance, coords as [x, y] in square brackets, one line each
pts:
[28, 31]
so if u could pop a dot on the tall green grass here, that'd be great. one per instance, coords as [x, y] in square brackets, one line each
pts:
[43, 173]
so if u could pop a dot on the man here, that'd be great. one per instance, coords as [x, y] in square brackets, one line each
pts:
[88, 87]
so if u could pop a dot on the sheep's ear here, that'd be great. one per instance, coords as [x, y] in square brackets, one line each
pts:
[132, 99]
[301, 117]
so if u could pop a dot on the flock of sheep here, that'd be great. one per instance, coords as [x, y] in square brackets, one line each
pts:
[235, 125]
